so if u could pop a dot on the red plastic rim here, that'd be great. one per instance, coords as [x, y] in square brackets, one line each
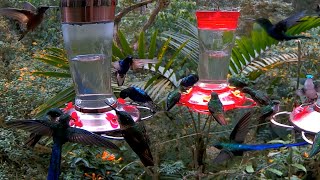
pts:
[197, 97]
[217, 20]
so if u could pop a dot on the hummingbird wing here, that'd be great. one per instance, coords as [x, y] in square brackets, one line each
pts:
[20, 15]
[284, 25]
[82, 136]
[241, 129]
[223, 156]
[29, 6]
[39, 127]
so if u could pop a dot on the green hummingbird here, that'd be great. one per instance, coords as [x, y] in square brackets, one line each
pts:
[315, 149]
[172, 99]
[215, 107]
[61, 133]
[258, 96]
[268, 111]
[136, 136]
[53, 116]
[30, 17]
[239, 82]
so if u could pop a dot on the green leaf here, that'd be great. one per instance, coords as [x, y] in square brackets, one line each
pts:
[153, 45]
[299, 166]
[116, 52]
[141, 47]
[162, 52]
[275, 171]
[249, 169]
[124, 44]
[52, 74]
[151, 80]
[172, 59]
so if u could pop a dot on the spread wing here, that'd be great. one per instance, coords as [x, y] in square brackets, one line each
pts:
[82, 136]
[20, 15]
[241, 129]
[223, 156]
[28, 6]
[285, 24]
[39, 127]
[140, 63]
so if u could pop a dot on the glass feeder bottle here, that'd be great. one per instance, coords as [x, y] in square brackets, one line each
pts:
[87, 27]
[216, 33]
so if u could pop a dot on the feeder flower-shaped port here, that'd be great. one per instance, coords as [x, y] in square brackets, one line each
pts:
[113, 119]
[75, 121]
[68, 107]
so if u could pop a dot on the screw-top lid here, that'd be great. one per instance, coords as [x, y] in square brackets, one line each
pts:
[217, 20]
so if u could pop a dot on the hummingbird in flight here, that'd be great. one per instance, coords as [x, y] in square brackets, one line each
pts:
[53, 116]
[61, 133]
[138, 95]
[29, 17]
[136, 136]
[123, 66]
[278, 30]
[258, 96]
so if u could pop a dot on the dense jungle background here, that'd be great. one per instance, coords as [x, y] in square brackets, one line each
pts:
[165, 29]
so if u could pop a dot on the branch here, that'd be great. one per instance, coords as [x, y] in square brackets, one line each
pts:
[125, 11]
[160, 5]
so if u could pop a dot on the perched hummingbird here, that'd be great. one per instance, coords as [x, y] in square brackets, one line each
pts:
[188, 81]
[216, 109]
[278, 31]
[123, 66]
[238, 82]
[30, 17]
[135, 135]
[309, 89]
[61, 133]
[52, 115]
[315, 149]
[172, 99]
[261, 98]
[138, 95]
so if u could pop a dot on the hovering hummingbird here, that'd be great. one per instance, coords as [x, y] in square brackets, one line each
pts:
[278, 31]
[30, 17]
[315, 149]
[237, 137]
[52, 115]
[136, 136]
[215, 107]
[309, 89]
[123, 66]
[261, 98]
[61, 133]
[189, 81]
[239, 82]
[138, 95]
[172, 99]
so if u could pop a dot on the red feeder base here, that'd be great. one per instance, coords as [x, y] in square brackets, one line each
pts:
[198, 96]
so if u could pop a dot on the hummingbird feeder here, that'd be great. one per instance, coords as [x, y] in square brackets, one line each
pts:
[87, 28]
[304, 118]
[216, 33]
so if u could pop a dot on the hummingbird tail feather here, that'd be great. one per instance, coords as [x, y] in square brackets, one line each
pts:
[55, 161]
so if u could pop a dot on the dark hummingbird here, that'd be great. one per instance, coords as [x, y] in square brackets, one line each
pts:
[52, 115]
[123, 66]
[215, 107]
[188, 81]
[261, 98]
[172, 99]
[278, 31]
[239, 82]
[315, 149]
[268, 111]
[138, 95]
[61, 133]
[136, 136]
[309, 89]
[30, 17]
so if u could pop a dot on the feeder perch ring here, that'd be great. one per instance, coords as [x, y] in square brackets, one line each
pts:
[305, 137]
[273, 120]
